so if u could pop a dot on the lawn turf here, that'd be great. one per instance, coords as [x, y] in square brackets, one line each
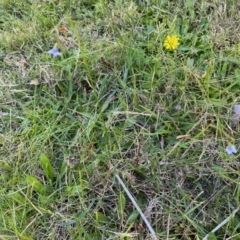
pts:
[118, 101]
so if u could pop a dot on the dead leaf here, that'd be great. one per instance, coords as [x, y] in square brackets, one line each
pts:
[71, 161]
[34, 82]
[236, 115]
[183, 136]
[63, 30]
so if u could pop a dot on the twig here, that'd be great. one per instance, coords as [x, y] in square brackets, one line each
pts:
[137, 207]
[222, 223]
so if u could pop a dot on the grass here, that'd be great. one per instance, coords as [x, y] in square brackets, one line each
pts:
[116, 101]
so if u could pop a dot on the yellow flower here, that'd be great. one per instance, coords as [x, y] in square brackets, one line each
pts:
[171, 42]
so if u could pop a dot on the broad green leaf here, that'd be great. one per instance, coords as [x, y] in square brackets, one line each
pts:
[13, 180]
[233, 60]
[16, 196]
[121, 203]
[190, 62]
[47, 167]
[134, 215]
[37, 185]
[190, 8]
[101, 218]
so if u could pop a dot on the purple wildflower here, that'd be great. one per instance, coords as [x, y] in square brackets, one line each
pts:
[54, 51]
[231, 149]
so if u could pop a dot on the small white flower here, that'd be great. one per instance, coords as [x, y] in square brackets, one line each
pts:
[231, 149]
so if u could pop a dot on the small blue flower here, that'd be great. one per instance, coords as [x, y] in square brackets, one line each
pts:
[231, 149]
[236, 109]
[54, 51]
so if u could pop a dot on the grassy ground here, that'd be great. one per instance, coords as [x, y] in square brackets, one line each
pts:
[117, 100]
